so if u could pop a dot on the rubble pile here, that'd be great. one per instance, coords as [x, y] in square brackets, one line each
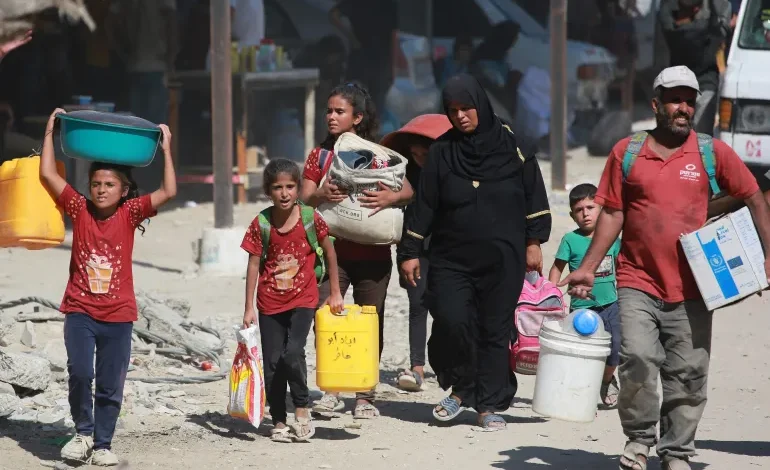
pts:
[167, 349]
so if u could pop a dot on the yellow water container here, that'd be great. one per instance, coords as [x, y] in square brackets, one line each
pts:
[29, 216]
[347, 349]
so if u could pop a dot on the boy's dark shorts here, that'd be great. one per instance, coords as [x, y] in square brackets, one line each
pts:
[611, 316]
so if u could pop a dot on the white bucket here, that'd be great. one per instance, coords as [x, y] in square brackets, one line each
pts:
[569, 373]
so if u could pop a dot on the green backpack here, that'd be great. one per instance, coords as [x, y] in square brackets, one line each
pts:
[705, 145]
[308, 221]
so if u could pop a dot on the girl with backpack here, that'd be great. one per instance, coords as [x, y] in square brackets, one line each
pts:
[365, 267]
[413, 141]
[99, 302]
[282, 242]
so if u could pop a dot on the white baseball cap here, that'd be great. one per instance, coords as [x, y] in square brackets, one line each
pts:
[673, 77]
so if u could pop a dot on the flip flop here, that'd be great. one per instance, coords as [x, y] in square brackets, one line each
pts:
[360, 411]
[328, 404]
[410, 381]
[450, 406]
[300, 425]
[635, 456]
[488, 423]
[609, 394]
[282, 435]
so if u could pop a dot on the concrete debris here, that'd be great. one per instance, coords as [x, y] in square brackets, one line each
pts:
[9, 403]
[25, 370]
[56, 353]
[46, 315]
[6, 330]
[174, 394]
[28, 335]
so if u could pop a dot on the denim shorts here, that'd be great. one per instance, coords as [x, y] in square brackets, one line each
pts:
[611, 316]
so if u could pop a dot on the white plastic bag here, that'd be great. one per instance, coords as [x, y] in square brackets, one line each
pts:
[347, 219]
[247, 385]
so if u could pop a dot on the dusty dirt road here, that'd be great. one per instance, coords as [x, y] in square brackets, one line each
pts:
[734, 433]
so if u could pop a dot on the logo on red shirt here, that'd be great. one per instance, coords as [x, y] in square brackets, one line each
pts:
[689, 173]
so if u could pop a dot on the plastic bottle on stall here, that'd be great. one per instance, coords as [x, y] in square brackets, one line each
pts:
[263, 56]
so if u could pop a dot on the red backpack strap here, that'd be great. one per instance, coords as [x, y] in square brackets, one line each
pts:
[325, 158]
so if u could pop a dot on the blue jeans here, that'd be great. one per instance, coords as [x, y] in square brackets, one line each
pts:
[83, 335]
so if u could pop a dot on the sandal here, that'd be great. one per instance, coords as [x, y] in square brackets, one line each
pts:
[365, 411]
[450, 406]
[328, 404]
[675, 464]
[609, 394]
[491, 423]
[282, 435]
[634, 456]
[410, 381]
[303, 430]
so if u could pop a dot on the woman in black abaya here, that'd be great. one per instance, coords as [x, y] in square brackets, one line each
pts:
[485, 206]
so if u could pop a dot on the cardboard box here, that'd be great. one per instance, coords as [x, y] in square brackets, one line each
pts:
[726, 259]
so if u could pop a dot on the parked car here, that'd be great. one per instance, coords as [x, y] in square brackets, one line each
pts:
[744, 110]
[590, 69]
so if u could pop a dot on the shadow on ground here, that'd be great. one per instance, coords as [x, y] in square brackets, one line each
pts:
[748, 448]
[224, 425]
[538, 458]
[32, 438]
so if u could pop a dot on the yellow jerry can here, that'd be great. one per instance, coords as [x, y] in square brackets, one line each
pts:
[29, 216]
[347, 349]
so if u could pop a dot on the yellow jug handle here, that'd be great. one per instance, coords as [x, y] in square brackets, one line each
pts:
[343, 313]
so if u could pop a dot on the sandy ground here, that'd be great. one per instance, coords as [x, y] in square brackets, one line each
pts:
[734, 433]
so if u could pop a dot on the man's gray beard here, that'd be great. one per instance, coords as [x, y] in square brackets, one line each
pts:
[663, 121]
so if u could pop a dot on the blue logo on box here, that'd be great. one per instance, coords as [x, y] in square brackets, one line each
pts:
[736, 262]
[721, 271]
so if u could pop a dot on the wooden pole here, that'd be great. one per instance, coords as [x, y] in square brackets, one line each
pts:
[221, 114]
[558, 136]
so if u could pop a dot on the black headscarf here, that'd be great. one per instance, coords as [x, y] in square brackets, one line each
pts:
[488, 153]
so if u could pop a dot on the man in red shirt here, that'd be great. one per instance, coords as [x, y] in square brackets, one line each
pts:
[665, 325]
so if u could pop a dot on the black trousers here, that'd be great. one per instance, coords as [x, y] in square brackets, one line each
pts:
[469, 347]
[418, 316]
[284, 336]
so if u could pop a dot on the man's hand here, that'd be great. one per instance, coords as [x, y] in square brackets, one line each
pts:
[580, 283]
[410, 269]
[14, 43]
[378, 200]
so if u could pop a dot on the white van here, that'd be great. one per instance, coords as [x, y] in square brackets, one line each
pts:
[744, 109]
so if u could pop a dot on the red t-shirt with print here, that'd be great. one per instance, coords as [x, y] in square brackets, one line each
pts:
[101, 281]
[346, 250]
[287, 279]
[662, 199]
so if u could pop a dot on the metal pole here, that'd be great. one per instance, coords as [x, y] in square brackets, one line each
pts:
[558, 139]
[221, 114]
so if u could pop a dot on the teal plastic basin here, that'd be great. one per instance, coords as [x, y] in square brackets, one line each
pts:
[108, 142]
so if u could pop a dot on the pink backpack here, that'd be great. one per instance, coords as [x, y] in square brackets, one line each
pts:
[539, 302]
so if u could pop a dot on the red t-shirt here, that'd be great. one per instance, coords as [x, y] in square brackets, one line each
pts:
[287, 279]
[662, 199]
[346, 250]
[101, 281]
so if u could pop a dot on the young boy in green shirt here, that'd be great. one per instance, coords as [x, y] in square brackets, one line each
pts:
[604, 295]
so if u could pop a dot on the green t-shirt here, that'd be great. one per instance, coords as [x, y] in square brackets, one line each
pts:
[572, 249]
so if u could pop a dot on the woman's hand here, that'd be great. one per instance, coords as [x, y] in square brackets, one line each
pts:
[249, 318]
[335, 302]
[378, 200]
[410, 269]
[14, 43]
[166, 144]
[331, 192]
[534, 258]
[52, 119]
